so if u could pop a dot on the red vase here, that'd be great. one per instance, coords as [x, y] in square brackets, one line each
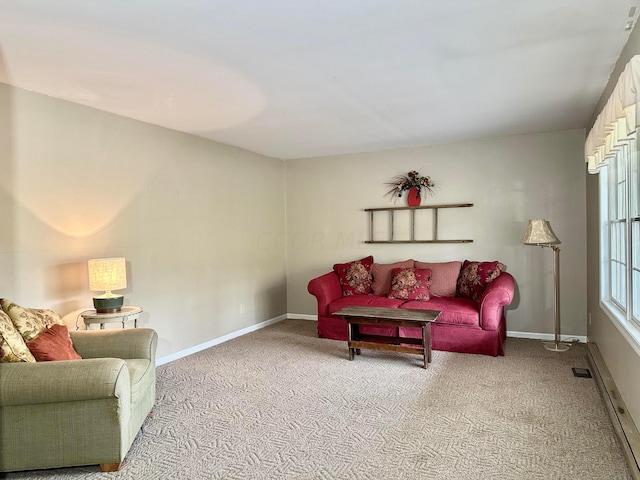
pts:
[413, 197]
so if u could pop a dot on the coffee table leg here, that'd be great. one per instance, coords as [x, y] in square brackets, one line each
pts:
[349, 338]
[425, 353]
[426, 343]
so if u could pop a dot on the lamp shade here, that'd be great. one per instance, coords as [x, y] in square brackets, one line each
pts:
[539, 232]
[106, 274]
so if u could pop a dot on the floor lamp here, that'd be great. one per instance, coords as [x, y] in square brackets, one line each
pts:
[539, 233]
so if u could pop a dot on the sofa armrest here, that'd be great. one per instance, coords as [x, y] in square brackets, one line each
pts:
[120, 343]
[63, 381]
[326, 288]
[496, 296]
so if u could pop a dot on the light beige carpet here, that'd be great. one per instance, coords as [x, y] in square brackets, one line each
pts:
[281, 403]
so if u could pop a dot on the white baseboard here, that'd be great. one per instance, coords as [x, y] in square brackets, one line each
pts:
[302, 316]
[546, 336]
[219, 340]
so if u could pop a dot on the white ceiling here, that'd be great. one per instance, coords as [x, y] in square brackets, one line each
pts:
[304, 78]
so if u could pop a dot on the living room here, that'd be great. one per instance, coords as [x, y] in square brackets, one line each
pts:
[220, 241]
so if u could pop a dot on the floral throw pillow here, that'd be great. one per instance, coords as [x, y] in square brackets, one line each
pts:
[30, 322]
[475, 276]
[355, 277]
[12, 346]
[410, 283]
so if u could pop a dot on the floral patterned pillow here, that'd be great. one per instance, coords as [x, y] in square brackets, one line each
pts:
[30, 322]
[410, 283]
[475, 276]
[12, 345]
[355, 277]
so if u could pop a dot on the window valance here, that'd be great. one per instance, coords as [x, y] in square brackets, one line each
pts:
[618, 121]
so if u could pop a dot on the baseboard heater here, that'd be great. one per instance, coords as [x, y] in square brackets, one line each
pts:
[623, 424]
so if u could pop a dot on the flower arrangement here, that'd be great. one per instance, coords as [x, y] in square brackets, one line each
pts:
[402, 183]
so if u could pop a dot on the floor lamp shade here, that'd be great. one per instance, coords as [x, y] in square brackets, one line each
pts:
[539, 232]
[107, 274]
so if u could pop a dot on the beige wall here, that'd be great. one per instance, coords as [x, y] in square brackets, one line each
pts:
[509, 180]
[620, 354]
[202, 225]
[186, 213]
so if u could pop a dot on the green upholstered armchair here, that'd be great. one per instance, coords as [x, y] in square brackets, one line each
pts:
[78, 412]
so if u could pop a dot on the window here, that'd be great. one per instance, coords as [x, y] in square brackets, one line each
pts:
[611, 150]
[620, 230]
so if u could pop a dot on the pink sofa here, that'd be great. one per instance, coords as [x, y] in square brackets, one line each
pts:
[465, 325]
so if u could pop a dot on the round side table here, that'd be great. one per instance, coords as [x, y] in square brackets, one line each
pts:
[125, 314]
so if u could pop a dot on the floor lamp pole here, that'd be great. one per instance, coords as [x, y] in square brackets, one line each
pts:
[556, 345]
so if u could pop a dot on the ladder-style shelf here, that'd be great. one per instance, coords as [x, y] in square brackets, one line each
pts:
[412, 239]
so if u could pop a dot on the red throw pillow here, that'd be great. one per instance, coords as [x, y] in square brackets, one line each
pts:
[475, 276]
[355, 277]
[410, 283]
[53, 344]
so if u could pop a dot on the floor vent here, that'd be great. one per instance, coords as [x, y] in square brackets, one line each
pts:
[623, 425]
[581, 372]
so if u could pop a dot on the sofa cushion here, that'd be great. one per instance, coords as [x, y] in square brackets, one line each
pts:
[475, 276]
[454, 310]
[12, 345]
[30, 322]
[444, 277]
[355, 277]
[363, 301]
[381, 273]
[410, 284]
[53, 344]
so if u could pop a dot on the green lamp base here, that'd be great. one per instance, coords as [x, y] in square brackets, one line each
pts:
[108, 304]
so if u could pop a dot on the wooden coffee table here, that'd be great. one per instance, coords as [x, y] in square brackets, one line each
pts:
[391, 317]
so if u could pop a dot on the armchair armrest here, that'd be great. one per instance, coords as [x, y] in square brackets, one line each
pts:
[63, 381]
[326, 288]
[496, 296]
[129, 343]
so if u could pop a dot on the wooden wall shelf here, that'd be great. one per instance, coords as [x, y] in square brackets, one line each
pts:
[392, 210]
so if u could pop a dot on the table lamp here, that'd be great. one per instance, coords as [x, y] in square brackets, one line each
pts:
[539, 233]
[106, 274]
